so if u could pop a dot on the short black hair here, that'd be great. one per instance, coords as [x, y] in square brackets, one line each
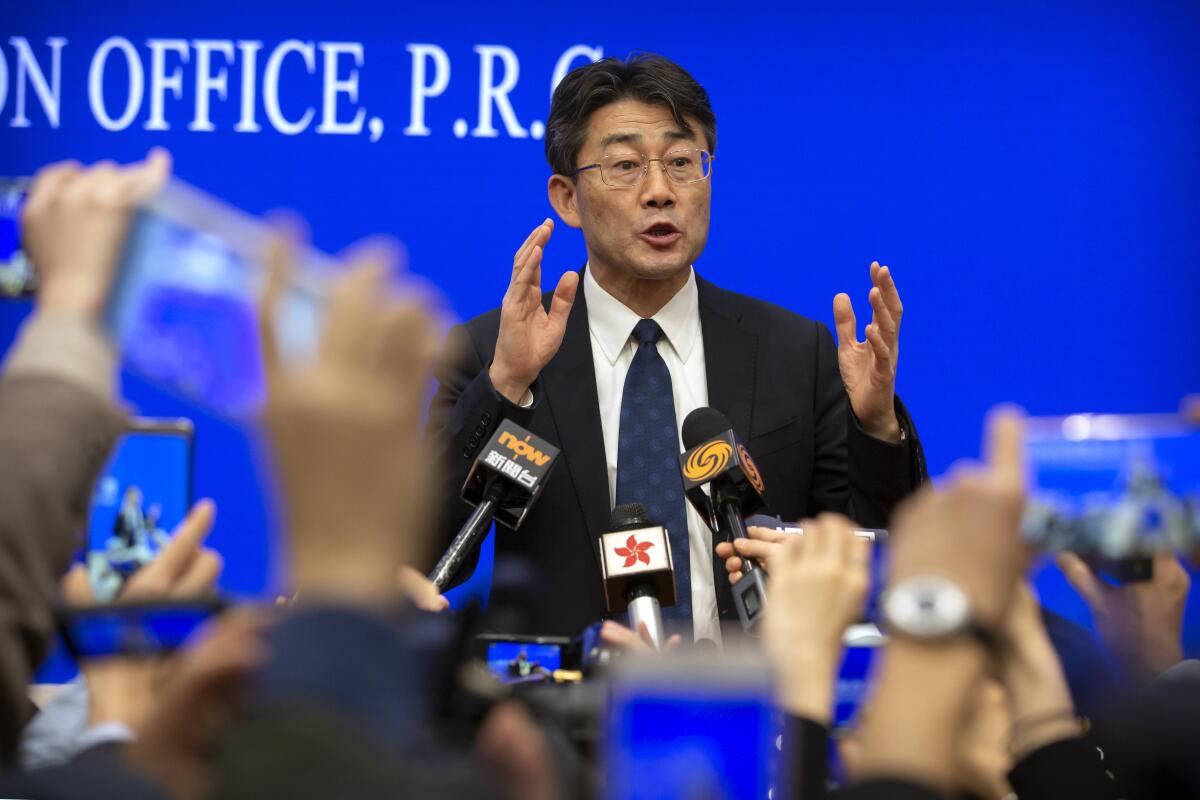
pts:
[645, 77]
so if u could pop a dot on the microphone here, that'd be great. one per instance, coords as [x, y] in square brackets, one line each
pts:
[714, 457]
[507, 477]
[638, 573]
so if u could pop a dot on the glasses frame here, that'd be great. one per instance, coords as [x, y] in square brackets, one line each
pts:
[646, 162]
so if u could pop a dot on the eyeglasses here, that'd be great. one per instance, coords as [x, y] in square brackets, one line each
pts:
[625, 170]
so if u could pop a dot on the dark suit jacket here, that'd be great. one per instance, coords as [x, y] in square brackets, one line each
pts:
[773, 373]
[54, 437]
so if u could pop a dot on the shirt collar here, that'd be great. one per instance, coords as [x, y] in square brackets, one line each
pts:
[611, 322]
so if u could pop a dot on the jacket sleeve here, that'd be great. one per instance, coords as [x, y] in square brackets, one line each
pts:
[853, 472]
[1066, 768]
[464, 412]
[54, 438]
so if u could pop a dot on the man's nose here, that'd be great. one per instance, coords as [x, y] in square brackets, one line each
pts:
[657, 190]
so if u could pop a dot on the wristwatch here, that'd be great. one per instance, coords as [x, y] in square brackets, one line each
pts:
[932, 608]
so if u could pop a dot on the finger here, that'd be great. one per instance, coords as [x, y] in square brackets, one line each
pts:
[822, 542]
[350, 335]
[734, 577]
[841, 539]
[844, 320]
[95, 182]
[278, 261]
[1004, 447]
[618, 635]
[644, 634]
[723, 550]
[673, 642]
[201, 575]
[76, 587]
[882, 362]
[874, 272]
[564, 298]
[146, 178]
[177, 554]
[523, 250]
[768, 534]
[883, 317]
[755, 549]
[733, 564]
[48, 183]
[1081, 577]
[891, 295]
[408, 342]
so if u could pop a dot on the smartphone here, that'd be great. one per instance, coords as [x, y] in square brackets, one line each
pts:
[144, 491]
[140, 629]
[1114, 489]
[853, 687]
[17, 279]
[692, 726]
[876, 536]
[184, 306]
[522, 659]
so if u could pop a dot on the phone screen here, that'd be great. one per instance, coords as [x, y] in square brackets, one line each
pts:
[1113, 487]
[516, 662]
[144, 491]
[133, 629]
[184, 310]
[16, 273]
[691, 730]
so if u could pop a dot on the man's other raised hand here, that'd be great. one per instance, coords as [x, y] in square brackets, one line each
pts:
[529, 335]
[869, 367]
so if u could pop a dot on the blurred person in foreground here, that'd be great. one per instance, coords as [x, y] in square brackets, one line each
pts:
[334, 685]
[936, 725]
[58, 419]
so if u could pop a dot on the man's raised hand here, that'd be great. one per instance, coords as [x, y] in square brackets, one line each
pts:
[869, 367]
[529, 335]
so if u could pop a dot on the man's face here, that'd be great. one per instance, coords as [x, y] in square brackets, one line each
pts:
[657, 228]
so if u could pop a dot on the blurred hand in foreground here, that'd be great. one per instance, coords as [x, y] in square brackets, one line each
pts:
[968, 533]
[762, 546]
[198, 701]
[74, 224]
[353, 469]
[1140, 623]
[126, 689]
[818, 588]
[420, 591]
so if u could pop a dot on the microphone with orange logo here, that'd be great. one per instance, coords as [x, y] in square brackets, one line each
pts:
[714, 457]
[635, 559]
[505, 480]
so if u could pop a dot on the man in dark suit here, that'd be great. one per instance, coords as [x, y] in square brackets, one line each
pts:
[609, 370]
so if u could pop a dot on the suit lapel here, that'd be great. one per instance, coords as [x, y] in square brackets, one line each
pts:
[730, 352]
[730, 361]
[569, 381]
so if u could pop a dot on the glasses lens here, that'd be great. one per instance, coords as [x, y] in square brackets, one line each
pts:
[621, 169]
[687, 166]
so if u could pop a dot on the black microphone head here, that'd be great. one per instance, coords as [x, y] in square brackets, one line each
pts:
[629, 517]
[702, 425]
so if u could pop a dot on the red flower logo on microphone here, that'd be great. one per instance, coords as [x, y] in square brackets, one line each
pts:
[634, 551]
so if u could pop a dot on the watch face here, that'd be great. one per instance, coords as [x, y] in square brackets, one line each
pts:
[928, 606]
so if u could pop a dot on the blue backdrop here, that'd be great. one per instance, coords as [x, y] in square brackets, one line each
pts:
[1029, 170]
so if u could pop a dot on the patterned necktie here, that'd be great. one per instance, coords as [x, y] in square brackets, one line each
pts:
[648, 460]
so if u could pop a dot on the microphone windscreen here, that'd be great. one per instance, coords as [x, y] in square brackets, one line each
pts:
[629, 516]
[702, 425]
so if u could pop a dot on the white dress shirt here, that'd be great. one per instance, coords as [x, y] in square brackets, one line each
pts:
[611, 325]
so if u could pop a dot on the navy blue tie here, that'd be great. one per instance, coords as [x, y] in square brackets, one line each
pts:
[648, 460]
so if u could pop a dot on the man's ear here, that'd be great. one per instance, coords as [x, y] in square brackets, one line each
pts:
[564, 197]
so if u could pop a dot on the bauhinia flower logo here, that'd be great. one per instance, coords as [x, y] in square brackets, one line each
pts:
[634, 551]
